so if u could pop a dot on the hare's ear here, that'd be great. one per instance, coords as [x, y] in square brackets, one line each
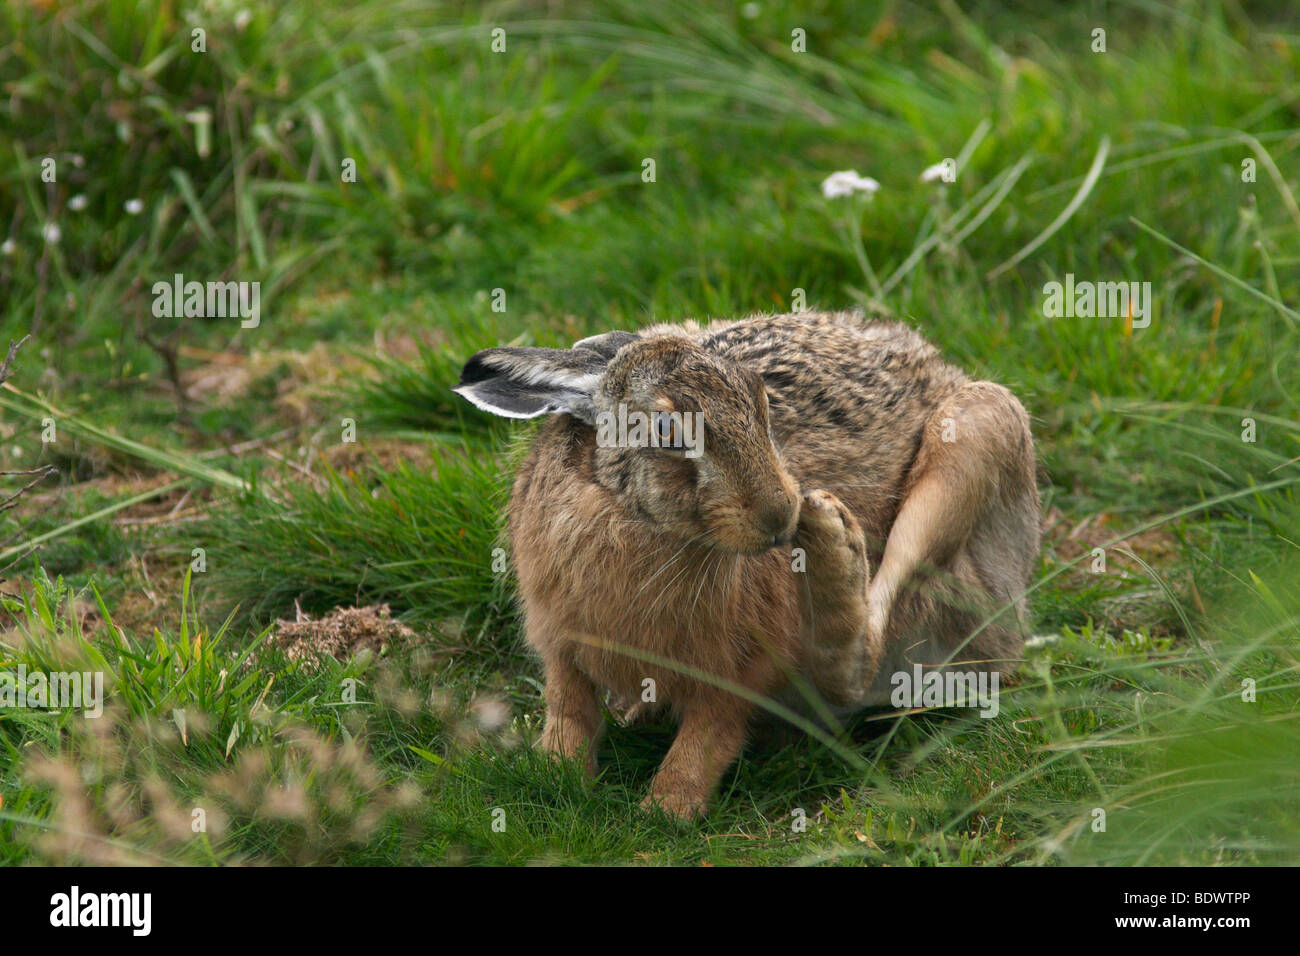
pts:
[606, 344]
[527, 382]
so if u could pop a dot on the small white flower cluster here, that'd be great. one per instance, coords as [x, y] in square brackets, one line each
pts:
[51, 231]
[846, 182]
[133, 207]
[934, 174]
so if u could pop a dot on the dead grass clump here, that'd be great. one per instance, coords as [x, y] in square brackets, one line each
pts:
[342, 633]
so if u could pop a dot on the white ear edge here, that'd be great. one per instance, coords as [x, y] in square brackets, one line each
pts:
[467, 392]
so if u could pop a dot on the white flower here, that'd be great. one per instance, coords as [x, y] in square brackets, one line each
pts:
[1040, 641]
[52, 232]
[7, 247]
[750, 11]
[933, 174]
[846, 183]
[133, 207]
[77, 202]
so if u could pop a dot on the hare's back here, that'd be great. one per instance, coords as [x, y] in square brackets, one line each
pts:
[838, 371]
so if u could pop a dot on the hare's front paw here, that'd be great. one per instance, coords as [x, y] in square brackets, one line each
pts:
[560, 741]
[676, 803]
[835, 546]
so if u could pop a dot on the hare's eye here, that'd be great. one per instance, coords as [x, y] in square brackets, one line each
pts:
[667, 432]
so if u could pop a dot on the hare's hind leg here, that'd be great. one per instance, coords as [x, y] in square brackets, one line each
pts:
[967, 528]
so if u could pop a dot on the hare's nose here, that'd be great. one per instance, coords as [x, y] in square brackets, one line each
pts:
[778, 521]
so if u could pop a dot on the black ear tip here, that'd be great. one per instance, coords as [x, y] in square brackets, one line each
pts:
[475, 370]
[524, 382]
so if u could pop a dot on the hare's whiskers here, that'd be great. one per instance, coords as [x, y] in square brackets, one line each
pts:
[663, 567]
[715, 564]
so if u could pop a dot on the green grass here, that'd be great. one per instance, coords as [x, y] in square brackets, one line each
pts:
[522, 171]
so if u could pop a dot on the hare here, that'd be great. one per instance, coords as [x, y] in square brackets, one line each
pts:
[706, 575]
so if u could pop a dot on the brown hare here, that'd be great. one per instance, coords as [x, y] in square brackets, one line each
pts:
[705, 507]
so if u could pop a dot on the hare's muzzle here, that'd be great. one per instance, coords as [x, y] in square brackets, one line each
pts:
[777, 522]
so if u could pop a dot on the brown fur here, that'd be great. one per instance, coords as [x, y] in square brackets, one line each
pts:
[638, 563]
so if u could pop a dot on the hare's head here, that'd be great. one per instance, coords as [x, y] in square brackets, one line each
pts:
[681, 434]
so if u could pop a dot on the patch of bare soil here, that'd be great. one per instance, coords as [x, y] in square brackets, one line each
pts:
[386, 453]
[1070, 539]
[1139, 598]
[301, 376]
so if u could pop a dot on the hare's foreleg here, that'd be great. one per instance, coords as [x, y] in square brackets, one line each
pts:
[573, 719]
[841, 651]
[711, 735]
